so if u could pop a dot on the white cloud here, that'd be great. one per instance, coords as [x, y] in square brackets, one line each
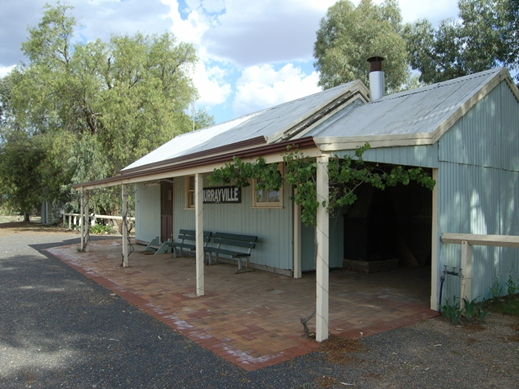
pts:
[258, 32]
[262, 86]
[192, 29]
[211, 85]
[5, 70]
[213, 6]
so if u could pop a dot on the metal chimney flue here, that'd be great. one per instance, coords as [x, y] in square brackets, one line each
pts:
[377, 87]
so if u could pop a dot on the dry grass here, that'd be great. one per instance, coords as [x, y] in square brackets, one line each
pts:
[325, 382]
[10, 219]
[337, 349]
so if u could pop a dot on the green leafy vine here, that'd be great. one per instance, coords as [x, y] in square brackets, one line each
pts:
[345, 175]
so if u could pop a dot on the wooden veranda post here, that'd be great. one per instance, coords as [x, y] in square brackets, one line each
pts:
[86, 224]
[83, 220]
[199, 226]
[81, 213]
[124, 196]
[434, 245]
[297, 239]
[466, 270]
[322, 265]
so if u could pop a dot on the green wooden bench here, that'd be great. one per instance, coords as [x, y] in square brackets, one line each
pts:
[187, 240]
[231, 242]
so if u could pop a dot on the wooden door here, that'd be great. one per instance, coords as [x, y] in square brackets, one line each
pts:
[166, 211]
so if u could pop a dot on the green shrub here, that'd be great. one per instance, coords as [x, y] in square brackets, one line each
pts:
[472, 311]
[496, 289]
[101, 229]
[511, 286]
[452, 311]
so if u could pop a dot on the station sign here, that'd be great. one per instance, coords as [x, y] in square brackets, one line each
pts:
[222, 195]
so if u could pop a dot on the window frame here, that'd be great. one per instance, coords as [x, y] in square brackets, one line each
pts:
[267, 204]
[189, 193]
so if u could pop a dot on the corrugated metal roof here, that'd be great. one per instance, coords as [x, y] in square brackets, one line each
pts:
[406, 114]
[415, 111]
[262, 123]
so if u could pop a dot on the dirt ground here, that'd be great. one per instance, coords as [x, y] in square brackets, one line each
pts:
[477, 356]
[15, 224]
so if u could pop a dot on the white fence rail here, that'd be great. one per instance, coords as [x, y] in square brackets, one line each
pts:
[74, 219]
[467, 241]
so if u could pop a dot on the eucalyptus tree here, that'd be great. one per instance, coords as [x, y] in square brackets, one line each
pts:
[100, 105]
[349, 35]
[486, 35]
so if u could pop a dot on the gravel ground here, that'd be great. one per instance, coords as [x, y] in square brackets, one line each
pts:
[60, 329]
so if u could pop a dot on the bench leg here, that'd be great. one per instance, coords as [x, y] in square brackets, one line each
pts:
[240, 268]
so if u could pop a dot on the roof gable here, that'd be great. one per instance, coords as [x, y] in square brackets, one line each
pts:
[415, 117]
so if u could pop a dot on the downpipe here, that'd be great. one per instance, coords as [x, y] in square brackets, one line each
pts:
[442, 279]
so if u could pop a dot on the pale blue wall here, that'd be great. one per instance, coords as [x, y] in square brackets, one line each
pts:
[272, 226]
[478, 189]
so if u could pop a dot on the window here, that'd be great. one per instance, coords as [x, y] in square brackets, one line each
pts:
[263, 198]
[190, 192]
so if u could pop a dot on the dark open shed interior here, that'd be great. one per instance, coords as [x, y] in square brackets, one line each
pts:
[392, 224]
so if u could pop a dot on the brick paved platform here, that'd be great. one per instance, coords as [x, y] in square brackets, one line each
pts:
[252, 319]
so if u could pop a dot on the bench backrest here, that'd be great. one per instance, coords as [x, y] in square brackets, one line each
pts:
[247, 241]
[191, 235]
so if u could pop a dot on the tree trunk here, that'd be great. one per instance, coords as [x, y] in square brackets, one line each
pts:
[26, 217]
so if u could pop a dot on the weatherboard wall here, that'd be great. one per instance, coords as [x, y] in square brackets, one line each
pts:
[478, 190]
[147, 212]
[273, 226]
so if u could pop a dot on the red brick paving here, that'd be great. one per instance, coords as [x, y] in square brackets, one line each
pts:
[252, 319]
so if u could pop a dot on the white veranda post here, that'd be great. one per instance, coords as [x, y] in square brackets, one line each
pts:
[199, 226]
[86, 240]
[83, 220]
[81, 217]
[124, 195]
[322, 265]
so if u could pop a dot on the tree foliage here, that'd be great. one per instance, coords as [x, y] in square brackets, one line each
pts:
[20, 161]
[349, 35]
[485, 36]
[98, 106]
[345, 175]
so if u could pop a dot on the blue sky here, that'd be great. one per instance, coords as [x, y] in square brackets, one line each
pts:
[253, 54]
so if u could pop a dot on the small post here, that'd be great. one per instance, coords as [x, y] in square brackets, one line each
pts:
[466, 270]
[435, 271]
[124, 196]
[322, 265]
[69, 221]
[297, 240]
[87, 225]
[81, 226]
[199, 227]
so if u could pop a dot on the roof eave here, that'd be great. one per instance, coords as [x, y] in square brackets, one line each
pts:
[203, 165]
